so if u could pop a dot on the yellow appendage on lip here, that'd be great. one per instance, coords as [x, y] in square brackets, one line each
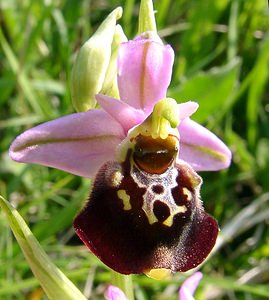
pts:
[159, 274]
[125, 199]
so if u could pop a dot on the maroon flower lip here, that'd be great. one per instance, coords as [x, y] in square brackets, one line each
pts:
[137, 220]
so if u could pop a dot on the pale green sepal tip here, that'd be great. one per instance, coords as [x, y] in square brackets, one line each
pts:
[91, 64]
[146, 17]
[54, 283]
[110, 84]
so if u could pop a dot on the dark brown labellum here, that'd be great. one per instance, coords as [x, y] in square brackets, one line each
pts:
[145, 215]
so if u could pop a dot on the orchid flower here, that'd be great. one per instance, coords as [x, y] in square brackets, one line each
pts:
[189, 286]
[82, 142]
[114, 293]
[144, 214]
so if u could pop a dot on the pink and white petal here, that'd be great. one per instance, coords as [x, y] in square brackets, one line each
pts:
[189, 286]
[186, 109]
[144, 72]
[79, 143]
[125, 114]
[114, 293]
[201, 148]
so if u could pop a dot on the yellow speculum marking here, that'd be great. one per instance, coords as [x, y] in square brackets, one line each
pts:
[187, 193]
[150, 215]
[122, 195]
[169, 221]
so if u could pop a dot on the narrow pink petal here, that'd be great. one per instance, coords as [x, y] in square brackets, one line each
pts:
[202, 149]
[125, 114]
[114, 293]
[189, 286]
[79, 143]
[144, 72]
[186, 109]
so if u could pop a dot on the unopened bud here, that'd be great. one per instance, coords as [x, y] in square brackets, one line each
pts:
[91, 64]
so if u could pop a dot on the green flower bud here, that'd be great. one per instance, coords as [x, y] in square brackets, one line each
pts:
[91, 64]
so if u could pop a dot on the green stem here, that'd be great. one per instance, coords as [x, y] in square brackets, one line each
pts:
[124, 282]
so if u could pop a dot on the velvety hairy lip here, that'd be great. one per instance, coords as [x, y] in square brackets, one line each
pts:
[140, 222]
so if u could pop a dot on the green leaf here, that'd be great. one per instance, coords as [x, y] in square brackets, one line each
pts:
[91, 64]
[241, 155]
[256, 90]
[246, 218]
[200, 39]
[55, 284]
[213, 90]
[22, 79]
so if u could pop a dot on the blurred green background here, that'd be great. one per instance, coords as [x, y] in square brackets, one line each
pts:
[222, 62]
